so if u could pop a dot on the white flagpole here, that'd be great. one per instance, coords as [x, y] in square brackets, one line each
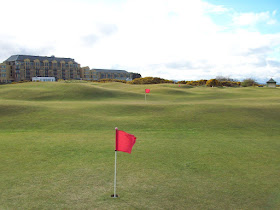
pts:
[115, 179]
[145, 97]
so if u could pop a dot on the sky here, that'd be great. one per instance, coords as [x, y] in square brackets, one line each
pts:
[171, 39]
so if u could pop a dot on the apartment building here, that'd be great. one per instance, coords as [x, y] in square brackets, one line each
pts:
[5, 73]
[97, 74]
[24, 67]
[112, 74]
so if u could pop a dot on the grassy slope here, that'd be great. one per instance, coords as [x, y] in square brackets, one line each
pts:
[196, 147]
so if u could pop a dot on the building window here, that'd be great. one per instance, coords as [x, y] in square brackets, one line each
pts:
[27, 64]
[54, 66]
[17, 65]
[37, 65]
[27, 74]
[46, 66]
[3, 70]
[63, 74]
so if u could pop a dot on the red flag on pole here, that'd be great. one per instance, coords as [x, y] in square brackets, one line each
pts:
[147, 90]
[124, 141]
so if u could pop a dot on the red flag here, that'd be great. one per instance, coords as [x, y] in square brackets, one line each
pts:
[124, 141]
[147, 90]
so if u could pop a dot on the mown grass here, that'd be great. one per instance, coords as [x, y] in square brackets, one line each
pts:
[197, 148]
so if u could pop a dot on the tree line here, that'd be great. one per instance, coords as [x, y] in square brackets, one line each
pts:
[217, 82]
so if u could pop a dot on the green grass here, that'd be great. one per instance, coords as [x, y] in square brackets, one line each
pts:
[196, 148]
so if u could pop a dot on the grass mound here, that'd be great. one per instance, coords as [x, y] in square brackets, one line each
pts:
[61, 92]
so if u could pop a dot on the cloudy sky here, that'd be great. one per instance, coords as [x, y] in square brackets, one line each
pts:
[171, 39]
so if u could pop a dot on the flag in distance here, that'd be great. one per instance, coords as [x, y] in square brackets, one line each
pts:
[147, 90]
[124, 141]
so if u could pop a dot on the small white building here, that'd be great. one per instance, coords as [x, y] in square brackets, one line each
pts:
[43, 79]
[271, 83]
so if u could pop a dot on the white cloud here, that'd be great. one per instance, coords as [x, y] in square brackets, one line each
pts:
[171, 39]
[214, 8]
[245, 19]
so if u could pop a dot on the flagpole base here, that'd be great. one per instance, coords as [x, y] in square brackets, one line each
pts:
[114, 196]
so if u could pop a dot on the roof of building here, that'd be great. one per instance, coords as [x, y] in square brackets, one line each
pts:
[110, 70]
[40, 58]
[271, 81]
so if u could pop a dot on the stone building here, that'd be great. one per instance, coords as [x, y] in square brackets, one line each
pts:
[112, 74]
[97, 74]
[25, 67]
[6, 75]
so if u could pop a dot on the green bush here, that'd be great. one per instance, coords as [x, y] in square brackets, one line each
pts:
[248, 82]
[213, 83]
[230, 84]
[197, 83]
[149, 80]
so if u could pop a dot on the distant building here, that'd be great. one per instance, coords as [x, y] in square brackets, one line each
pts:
[5, 73]
[98, 74]
[135, 76]
[85, 74]
[43, 79]
[112, 74]
[25, 67]
[271, 83]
